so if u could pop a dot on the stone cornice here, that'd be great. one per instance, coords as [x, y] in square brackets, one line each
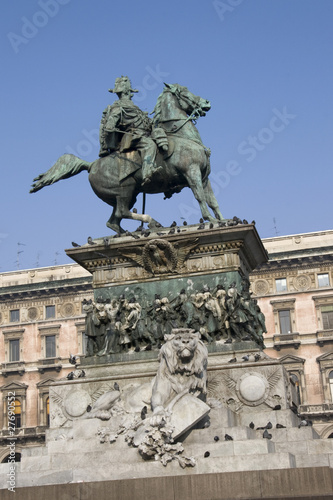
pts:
[45, 288]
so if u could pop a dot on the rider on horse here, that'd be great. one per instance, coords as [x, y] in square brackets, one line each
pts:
[124, 126]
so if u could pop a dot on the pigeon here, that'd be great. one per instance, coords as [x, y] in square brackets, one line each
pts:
[304, 423]
[134, 210]
[184, 223]
[257, 357]
[89, 407]
[72, 359]
[277, 407]
[172, 231]
[246, 357]
[174, 224]
[268, 426]
[253, 222]
[201, 226]
[266, 434]
[90, 241]
[228, 341]
[106, 241]
[201, 220]
[178, 230]
[135, 236]
[245, 221]
[144, 412]
[137, 349]
[117, 235]
[160, 234]
[211, 225]
[148, 348]
[216, 438]
[280, 426]
[116, 386]
[228, 438]
[251, 425]
[146, 234]
[82, 374]
[207, 454]
[70, 376]
[233, 360]
[75, 244]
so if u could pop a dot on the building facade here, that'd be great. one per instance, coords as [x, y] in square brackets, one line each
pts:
[41, 324]
[295, 293]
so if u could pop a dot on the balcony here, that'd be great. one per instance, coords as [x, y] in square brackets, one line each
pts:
[12, 368]
[324, 336]
[49, 364]
[319, 410]
[286, 340]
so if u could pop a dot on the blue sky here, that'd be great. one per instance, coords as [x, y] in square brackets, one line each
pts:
[265, 65]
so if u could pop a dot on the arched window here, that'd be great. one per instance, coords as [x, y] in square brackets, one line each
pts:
[48, 412]
[17, 411]
[330, 378]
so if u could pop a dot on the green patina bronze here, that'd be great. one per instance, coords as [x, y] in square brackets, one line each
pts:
[138, 154]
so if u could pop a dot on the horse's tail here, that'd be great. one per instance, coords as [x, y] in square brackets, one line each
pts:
[66, 166]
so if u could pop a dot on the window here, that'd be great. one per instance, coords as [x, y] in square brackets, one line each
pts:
[50, 346]
[14, 315]
[295, 380]
[49, 312]
[285, 321]
[17, 412]
[330, 378]
[323, 280]
[14, 350]
[327, 317]
[48, 412]
[281, 284]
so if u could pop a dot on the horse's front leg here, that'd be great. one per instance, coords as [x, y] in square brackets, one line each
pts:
[194, 180]
[212, 201]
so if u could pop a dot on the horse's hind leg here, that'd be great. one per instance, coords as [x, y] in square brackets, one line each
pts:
[114, 222]
[212, 201]
[122, 211]
[194, 180]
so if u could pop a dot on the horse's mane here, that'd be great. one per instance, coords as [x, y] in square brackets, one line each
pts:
[157, 110]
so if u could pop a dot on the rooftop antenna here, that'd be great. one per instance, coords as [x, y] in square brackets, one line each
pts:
[18, 254]
[275, 227]
[37, 260]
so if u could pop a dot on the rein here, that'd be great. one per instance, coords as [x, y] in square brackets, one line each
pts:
[192, 117]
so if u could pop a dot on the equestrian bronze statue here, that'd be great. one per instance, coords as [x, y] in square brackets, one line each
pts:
[140, 155]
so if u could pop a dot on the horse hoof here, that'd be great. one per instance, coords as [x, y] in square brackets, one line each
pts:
[153, 224]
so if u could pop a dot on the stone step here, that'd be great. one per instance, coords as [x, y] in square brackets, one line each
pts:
[230, 448]
[261, 418]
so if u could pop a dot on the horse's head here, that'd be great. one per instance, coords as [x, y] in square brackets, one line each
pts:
[188, 101]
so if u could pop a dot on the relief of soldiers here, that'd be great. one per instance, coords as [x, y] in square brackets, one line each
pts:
[112, 333]
[124, 126]
[88, 308]
[208, 309]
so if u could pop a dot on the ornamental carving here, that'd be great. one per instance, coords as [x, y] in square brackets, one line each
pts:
[261, 287]
[33, 313]
[67, 310]
[302, 282]
[160, 256]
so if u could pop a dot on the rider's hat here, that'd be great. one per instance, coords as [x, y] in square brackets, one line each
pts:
[122, 84]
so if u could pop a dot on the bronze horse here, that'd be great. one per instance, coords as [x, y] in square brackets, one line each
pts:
[117, 178]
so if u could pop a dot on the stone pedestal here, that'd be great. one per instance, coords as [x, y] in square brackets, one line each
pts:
[161, 263]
